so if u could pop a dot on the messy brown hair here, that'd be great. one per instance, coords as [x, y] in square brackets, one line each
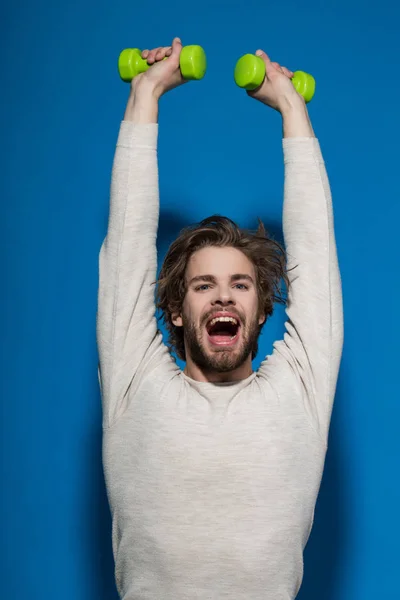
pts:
[266, 254]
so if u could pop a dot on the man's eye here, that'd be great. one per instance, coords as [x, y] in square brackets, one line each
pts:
[244, 286]
[200, 287]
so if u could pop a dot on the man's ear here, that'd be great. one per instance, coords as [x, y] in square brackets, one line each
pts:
[177, 320]
[261, 319]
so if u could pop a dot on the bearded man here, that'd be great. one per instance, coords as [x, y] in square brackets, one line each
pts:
[213, 471]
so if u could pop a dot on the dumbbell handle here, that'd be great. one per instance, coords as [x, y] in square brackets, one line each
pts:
[192, 60]
[250, 73]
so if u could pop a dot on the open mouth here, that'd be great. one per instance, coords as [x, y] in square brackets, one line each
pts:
[223, 331]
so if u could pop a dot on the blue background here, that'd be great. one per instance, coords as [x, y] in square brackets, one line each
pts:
[219, 152]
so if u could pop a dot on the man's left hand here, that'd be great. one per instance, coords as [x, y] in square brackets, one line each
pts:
[277, 89]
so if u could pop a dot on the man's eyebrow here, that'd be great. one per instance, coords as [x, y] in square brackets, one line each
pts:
[212, 278]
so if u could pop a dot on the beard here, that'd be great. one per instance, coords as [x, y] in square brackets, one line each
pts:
[221, 360]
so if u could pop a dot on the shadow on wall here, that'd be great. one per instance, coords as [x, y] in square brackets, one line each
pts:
[328, 537]
[328, 540]
[98, 514]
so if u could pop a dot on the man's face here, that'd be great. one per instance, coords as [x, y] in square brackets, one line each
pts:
[221, 282]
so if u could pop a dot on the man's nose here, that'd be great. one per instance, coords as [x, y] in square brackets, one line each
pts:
[223, 297]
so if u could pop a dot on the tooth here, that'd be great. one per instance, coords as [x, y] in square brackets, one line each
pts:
[223, 319]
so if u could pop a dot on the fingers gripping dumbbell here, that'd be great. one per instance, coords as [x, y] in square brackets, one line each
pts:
[193, 63]
[250, 73]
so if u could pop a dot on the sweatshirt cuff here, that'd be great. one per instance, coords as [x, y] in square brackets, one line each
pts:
[137, 135]
[302, 149]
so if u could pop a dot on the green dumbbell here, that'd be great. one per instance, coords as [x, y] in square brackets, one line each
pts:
[250, 73]
[193, 63]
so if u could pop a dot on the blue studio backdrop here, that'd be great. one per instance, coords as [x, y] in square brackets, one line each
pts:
[219, 151]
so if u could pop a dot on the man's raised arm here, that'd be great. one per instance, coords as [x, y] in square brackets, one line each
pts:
[126, 325]
[311, 350]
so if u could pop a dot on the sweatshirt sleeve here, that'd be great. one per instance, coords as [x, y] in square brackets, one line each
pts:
[127, 333]
[307, 360]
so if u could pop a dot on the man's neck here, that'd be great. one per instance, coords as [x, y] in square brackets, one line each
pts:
[211, 376]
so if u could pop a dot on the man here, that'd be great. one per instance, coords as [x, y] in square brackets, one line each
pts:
[213, 472]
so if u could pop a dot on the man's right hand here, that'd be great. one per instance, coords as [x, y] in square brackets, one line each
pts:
[163, 75]
[147, 88]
